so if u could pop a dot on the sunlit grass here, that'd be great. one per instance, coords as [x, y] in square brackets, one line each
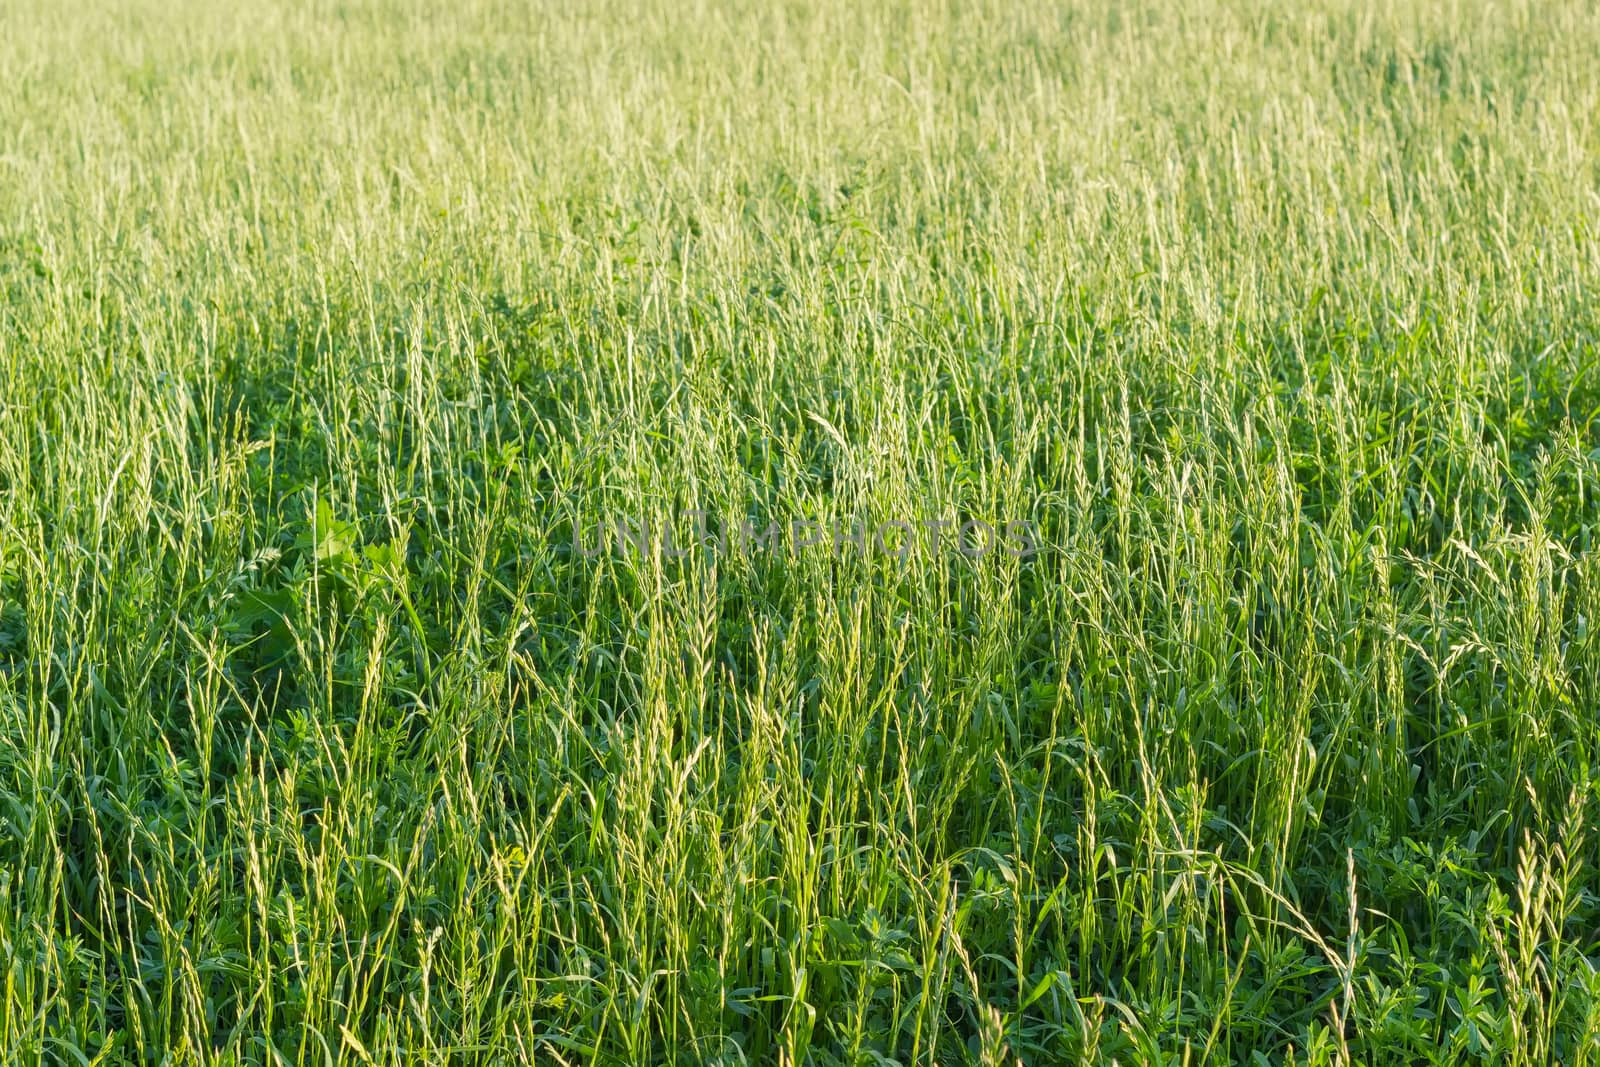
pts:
[323, 325]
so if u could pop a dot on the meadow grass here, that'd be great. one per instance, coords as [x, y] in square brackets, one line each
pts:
[324, 327]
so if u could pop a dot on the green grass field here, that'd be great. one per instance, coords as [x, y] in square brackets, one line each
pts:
[329, 331]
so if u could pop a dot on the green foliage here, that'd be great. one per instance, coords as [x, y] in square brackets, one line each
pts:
[325, 327]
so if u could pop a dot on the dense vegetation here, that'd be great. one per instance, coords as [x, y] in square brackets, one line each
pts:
[325, 327]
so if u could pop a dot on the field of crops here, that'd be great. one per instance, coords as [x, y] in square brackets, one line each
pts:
[802, 532]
